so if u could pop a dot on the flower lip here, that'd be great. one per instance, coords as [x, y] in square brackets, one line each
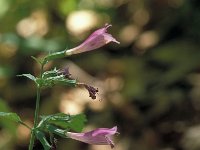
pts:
[104, 30]
[105, 131]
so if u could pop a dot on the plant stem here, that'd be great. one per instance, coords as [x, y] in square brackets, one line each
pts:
[22, 123]
[36, 116]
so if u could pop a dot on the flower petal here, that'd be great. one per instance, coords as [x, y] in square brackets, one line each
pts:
[105, 131]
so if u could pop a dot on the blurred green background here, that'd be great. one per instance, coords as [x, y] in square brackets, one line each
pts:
[149, 84]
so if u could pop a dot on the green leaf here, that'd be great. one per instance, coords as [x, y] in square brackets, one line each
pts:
[3, 106]
[52, 81]
[41, 137]
[77, 122]
[53, 56]
[36, 59]
[56, 117]
[64, 121]
[66, 82]
[56, 130]
[6, 123]
[51, 73]
[10, 116]
[28, 76]
[53, 77]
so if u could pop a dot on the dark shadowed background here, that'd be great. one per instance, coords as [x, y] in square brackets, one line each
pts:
[149, 84]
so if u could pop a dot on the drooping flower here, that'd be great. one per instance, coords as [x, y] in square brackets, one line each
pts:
[91, 90]
[96, 40]
[100, 136]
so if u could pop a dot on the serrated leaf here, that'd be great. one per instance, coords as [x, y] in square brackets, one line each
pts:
[77, 122]
[65, 121]
[56, 117]
[56, 80]
[30, 76]
[41, 137]
[51, 73]
[55, 77]
[46, 119]
[10, 116]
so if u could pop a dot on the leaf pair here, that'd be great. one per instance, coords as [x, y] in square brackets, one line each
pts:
[58, 124]
[64, 121]
[51, 78]
[11, 116]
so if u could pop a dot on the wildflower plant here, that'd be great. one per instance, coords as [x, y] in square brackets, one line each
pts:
[62, 124]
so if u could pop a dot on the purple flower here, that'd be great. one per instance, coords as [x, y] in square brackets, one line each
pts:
[92, 91]
[96, 40]
[100, 136]
[65, 72]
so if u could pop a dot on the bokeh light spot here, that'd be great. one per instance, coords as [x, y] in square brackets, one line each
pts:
[79, 22]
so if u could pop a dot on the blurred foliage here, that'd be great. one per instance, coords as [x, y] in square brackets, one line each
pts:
[150, 83]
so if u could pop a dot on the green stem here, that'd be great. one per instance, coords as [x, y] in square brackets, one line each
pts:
[54, 56]
[32, 139]
[22, 123]
[35, 118]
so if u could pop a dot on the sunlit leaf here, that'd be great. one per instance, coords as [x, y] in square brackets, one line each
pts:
[10, 116]
[28, 76]
[64, 121]
[77, 122]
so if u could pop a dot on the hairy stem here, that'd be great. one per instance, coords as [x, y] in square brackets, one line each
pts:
[22, 123]
[32, 139]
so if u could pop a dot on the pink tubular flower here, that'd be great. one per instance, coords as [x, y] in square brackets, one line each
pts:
[100, 136]
[96, 40]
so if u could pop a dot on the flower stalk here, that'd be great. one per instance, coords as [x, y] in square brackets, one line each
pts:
[35, 118]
